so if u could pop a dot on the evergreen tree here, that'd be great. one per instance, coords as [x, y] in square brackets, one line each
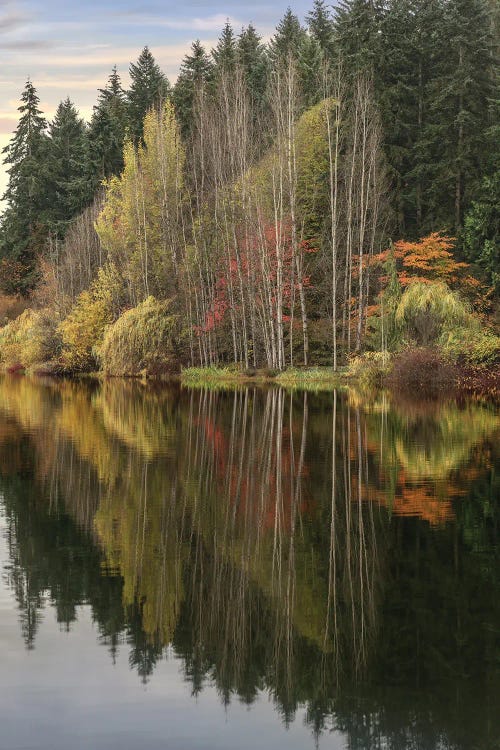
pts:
[107, 130]
[23, 231]
[287, 40]
[309, 61]
[403, 72]
[252, 57]
[321, 27]
[195, 73]
[460, 96]
[481, 234]
[69, 185]
[149, 88]
[357, 40]
[225, 53]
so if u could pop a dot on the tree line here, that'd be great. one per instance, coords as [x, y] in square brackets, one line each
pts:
[254, 194]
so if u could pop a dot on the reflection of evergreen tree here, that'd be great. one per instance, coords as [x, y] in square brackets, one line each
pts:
[144, 655]
[52, 560]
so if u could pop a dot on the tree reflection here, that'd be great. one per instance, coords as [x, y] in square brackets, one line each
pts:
[336, 553]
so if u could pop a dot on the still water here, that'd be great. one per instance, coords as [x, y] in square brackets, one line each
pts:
[196, 569]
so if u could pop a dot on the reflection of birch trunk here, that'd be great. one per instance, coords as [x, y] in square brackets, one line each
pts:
[331, 604]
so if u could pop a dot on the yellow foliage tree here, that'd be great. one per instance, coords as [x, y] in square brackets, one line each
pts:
[139, 225]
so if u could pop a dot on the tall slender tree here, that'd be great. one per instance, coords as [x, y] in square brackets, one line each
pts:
[461, 94]
[287, 39]
[253, 59]
[225, 53]
[321, 27]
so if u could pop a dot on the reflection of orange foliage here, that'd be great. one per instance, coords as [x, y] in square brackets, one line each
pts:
[422, 501]
[430, 501]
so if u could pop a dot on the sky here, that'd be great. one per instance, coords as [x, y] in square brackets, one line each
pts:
[68, 47]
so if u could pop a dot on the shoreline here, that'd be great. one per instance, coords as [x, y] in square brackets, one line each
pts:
[482, 382]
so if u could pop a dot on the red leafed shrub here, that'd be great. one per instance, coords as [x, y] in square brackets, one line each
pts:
[422, 370]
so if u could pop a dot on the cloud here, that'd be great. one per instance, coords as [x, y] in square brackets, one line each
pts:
[13, 17]
[86, 58]
[210, 23]
[28, 44]
[11, 21]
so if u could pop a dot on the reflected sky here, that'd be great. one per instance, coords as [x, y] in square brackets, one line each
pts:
[64, 694]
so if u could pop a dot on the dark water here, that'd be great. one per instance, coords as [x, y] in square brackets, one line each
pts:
[200, 569]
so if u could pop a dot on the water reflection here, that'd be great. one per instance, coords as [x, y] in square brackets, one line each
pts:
[340, 554]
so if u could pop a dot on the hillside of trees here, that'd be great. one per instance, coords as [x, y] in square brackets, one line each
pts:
[294, 203]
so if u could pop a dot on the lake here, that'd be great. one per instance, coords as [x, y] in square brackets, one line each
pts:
[197, 569]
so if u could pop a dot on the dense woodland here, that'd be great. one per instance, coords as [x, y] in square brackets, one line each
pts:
[292, 203]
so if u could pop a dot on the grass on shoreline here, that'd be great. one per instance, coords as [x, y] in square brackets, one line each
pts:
[311, 377]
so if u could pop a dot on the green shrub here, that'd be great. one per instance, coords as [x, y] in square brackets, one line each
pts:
[32, 338]
[426, 311]
[82, 330]
[473, 345]
[148, 338]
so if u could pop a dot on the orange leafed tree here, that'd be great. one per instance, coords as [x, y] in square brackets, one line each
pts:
[431, 259]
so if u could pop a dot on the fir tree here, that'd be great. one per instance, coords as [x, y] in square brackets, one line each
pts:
[252, 58]
[149, 88]
[195, 73]
[225, 53]
[321, 27]
[309, 60]
[287, 40]
[69, 184]
[357, 40]
[107, 130]
[23, 230]
[460, 98]
[403, 71]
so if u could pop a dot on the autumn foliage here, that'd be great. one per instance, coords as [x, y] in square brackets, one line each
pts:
[432, 259]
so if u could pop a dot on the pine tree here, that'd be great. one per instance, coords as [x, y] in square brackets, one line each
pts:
[69, 185]
[149, 88]
[23, 230]
[107, 130]
[195, 73]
